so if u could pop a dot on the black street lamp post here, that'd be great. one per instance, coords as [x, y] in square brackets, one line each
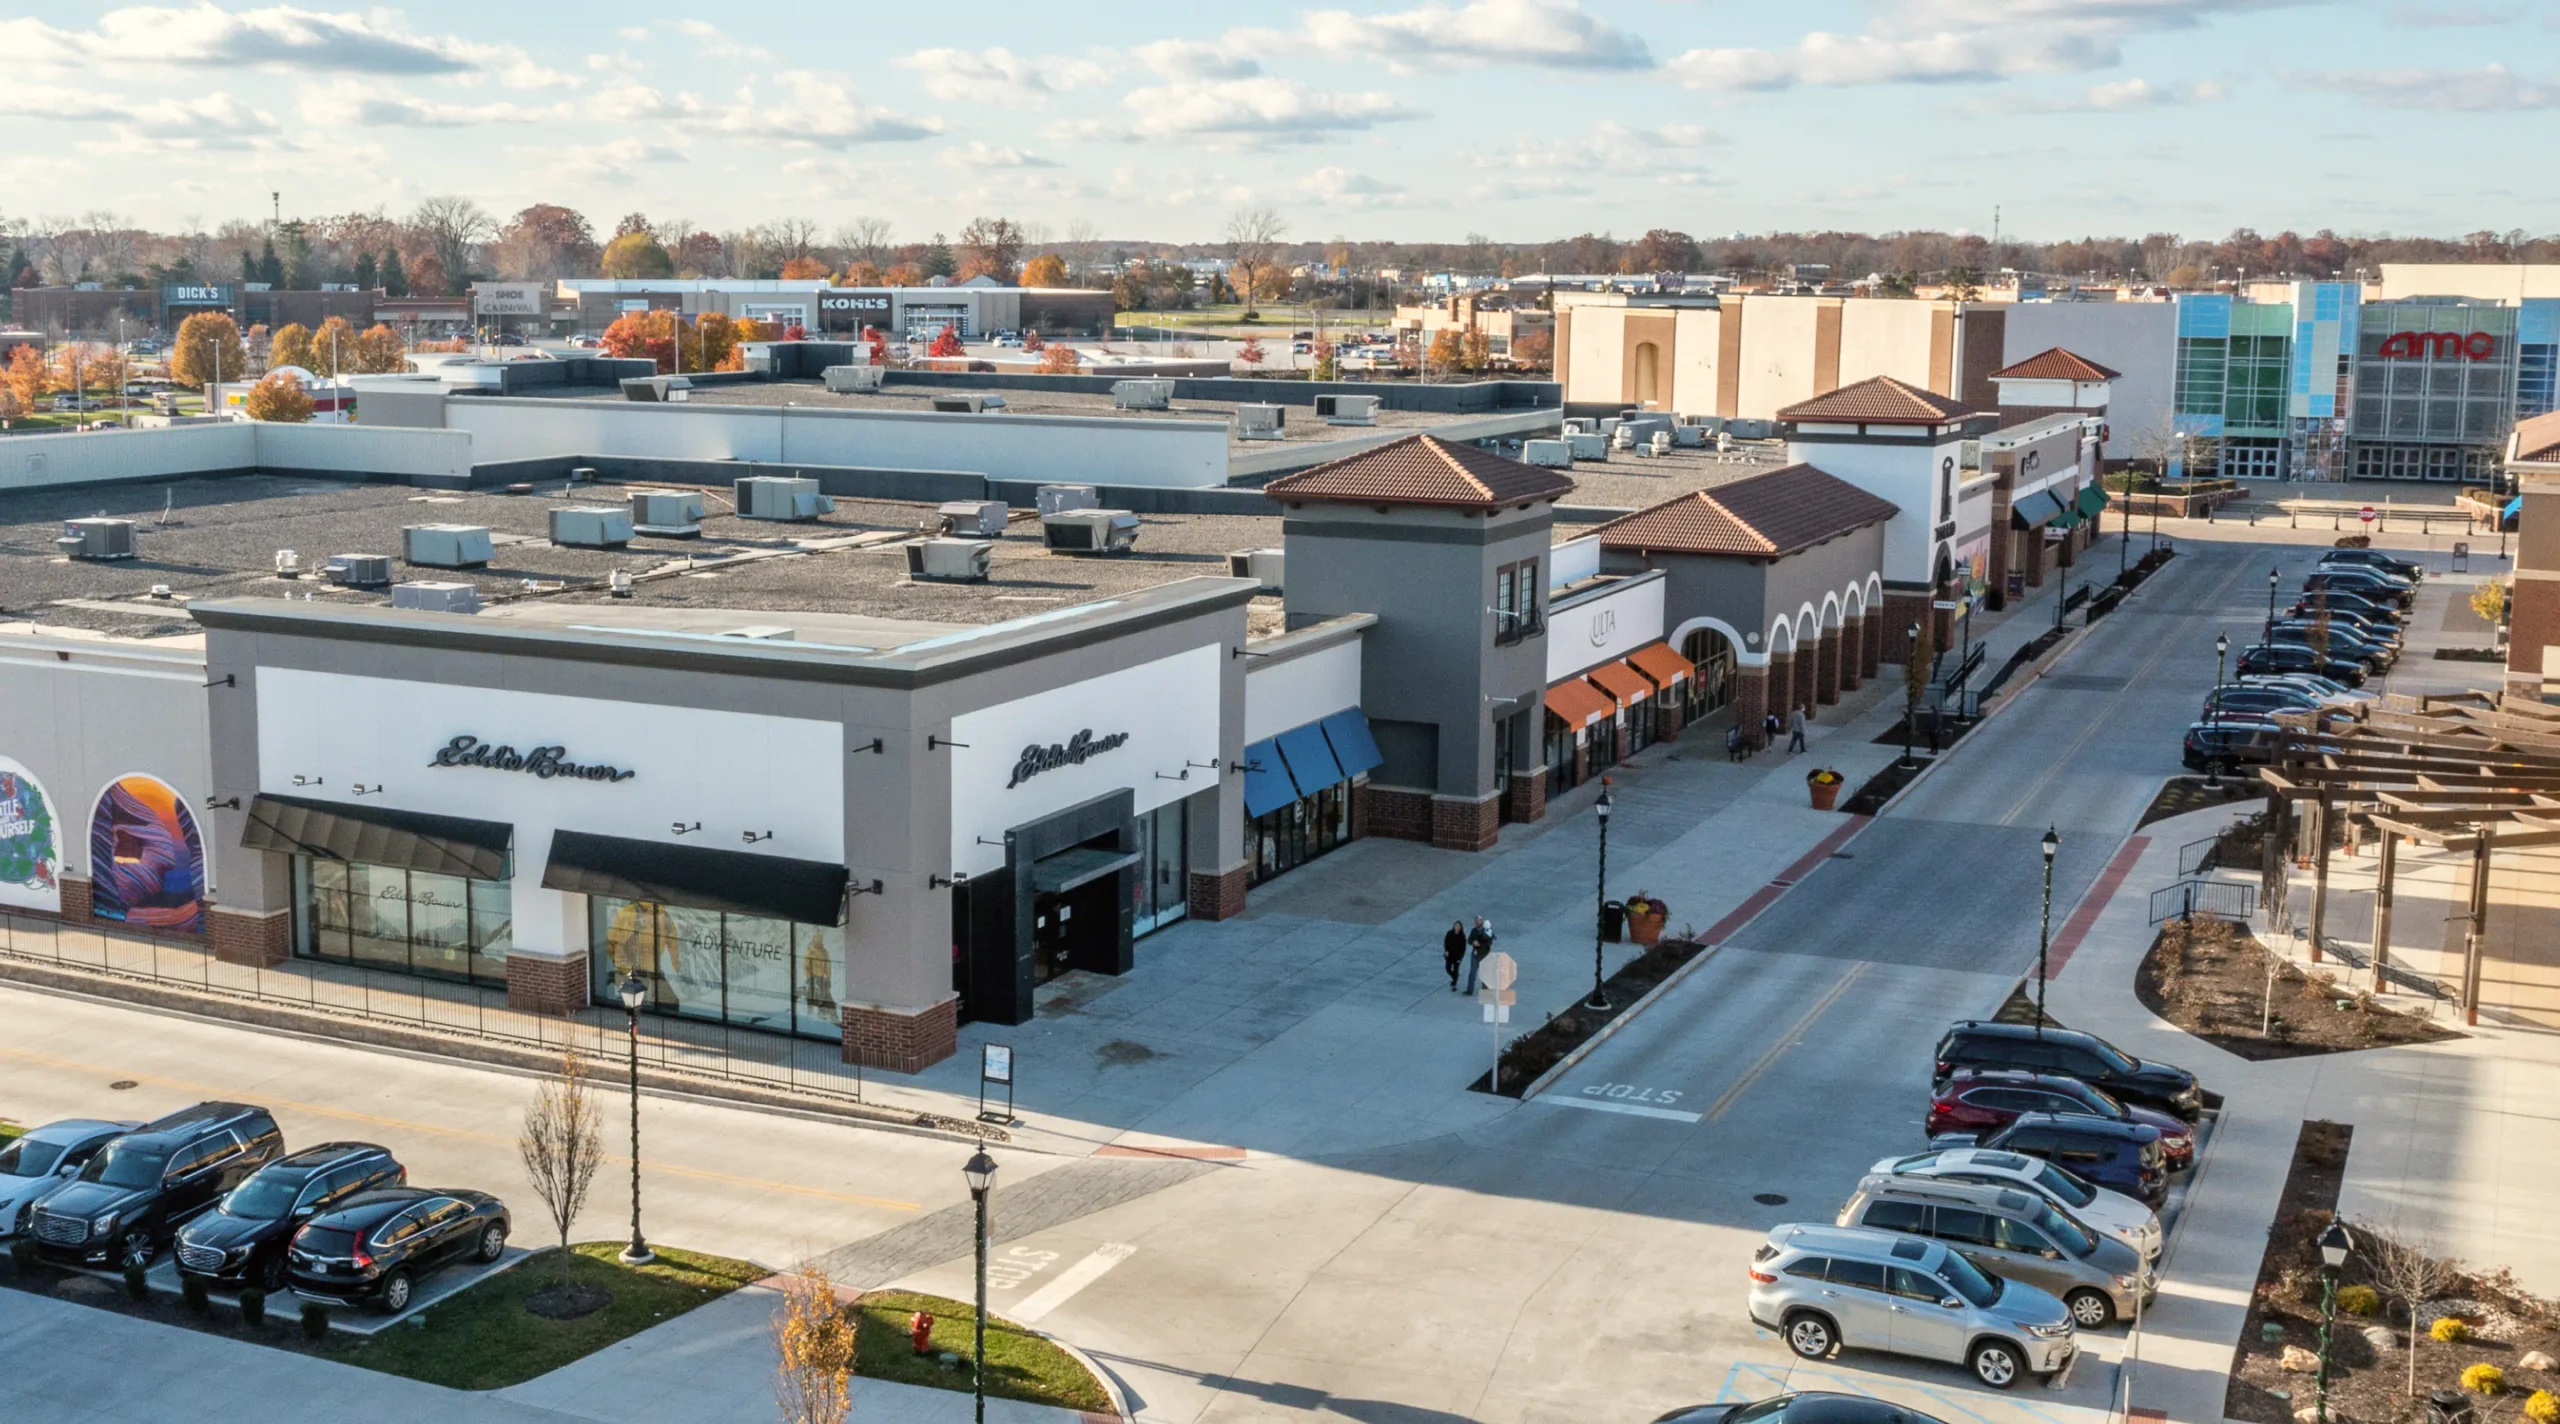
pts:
[2044, 934]
[2212, 764]
[1911, 701]
[2274, 578]
[1600, 911]
[980, 1173]
[634, 992]
[2335, 1246]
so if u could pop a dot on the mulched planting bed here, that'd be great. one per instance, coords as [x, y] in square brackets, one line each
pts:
[1950, 728]
[2209, 977]
[2369, 1360]
[2471, 655]
[1876, 790]
[2181, 794]
[1540, 1049]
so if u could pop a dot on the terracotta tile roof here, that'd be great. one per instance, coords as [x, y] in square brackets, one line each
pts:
[1762, 516]
[2055, 364]
[1880, 400]
[2538, 438]
[1423, 469]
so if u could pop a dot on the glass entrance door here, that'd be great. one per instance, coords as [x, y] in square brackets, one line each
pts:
[1160, 887]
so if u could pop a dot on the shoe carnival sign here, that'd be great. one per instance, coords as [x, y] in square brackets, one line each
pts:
[1078, 749]
[545, 763]
[2442, 345]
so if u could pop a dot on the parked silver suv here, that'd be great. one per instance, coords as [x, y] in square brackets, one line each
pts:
[2013, 1234]
[1821, 1287]
[2095, 1207]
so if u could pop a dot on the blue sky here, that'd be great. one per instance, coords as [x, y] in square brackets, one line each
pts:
[1521, 119]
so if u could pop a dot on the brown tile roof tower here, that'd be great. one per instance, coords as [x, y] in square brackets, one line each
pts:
[2055, 364]
[1880, 400]
[1422, 470]
[1763, 516]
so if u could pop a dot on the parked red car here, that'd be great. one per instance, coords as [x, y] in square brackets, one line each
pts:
[1977, 1102]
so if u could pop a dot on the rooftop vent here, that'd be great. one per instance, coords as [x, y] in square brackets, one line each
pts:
[96, 539]
[1263, 566]
[359, 570]
[288, 564]
[601, 526]
[1588, 446]
[667, 514]
[1549, 454]
[848, 380]
[446, 546]
[1260, 422]
[1348, 410]
[974, 518]
[774, 497]
[1142, 395]
[968, 405]
[436, 597]
[1090, 531]
[1058, 499]
[950, 560]
[619, 583]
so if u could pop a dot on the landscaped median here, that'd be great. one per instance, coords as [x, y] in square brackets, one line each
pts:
[1021, 1364]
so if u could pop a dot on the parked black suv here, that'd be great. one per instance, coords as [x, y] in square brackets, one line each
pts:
[2377, 560]
[2264, 659]
[2372, 583]
[1977, 1043]
[2231, 743]
[242, 1241]
[140, 1187]
[376, 1245]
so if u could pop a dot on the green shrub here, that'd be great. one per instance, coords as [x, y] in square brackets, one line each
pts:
[191, 1290]
[2484, 1379]
[137, 1285]
[2360, 1300]
[2448, 1330]
[253, 1307]
[315, 1321]
[2542, 1407]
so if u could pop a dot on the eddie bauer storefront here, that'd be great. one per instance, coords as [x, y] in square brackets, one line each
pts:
[866, 833]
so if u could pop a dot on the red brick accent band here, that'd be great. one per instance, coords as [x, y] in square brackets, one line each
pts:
[250, 936]
[900, 1041]
[1218, 896]
[1751, 704]
[1396, 813]
[75, 898]
[1458, 824]
[1529, 796]
[1826, 678]
[537, 985]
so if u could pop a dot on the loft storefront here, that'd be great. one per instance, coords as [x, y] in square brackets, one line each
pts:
[1299, 790]
[1614, 686]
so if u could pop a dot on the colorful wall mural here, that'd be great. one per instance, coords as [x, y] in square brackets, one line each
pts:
[146, 861]
[30, 843]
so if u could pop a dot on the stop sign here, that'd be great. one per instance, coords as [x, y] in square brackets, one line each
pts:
[2367, 514]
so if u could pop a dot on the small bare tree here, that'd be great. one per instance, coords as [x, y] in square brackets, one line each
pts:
[1253, 240]
[2407, 1272]
[563, 1143]
[813, 1345]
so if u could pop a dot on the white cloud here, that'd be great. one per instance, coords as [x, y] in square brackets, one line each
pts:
[1255, 111]
[1954, 41]
[1196, 59]
[615, 161]
[2487, 90]
[1340, 187]
[1548, 34]
[999, 76]
[2119, 96]
[801, 107]
[204, 36]
[979, 154]
[1669, 155]
[717, 43]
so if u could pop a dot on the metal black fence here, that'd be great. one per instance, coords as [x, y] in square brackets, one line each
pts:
[2198, 857]
[355, 994]
[2190, 898]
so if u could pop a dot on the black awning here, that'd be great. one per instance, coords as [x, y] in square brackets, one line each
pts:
[379, 835]
[1068, 869]
[2034, 511]
[697, 877]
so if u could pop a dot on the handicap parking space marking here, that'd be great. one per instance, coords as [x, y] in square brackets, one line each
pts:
[1633, 1099]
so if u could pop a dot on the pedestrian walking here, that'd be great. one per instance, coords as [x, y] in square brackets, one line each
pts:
[1479, 944]
[1795, 729]
[1453, 950]
[1733, 742]
[1770, 728]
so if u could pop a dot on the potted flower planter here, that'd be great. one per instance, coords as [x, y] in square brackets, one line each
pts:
[1645, 918]
[1825, 785]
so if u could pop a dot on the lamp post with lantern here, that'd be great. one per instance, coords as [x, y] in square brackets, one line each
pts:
[2044, 934]
[980, 1173]
[2336, 1244]
[634, 992]
[1600, 911]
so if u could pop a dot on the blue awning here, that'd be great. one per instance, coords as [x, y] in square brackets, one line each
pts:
[1353, 747]
[1311, 762]
[1266, 780]
[2514, 507]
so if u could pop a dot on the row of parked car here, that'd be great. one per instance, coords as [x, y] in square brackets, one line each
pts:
[338, 1222]
[2344, 626]
[2032, 1216]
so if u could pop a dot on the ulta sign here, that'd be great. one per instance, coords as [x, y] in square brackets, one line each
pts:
[2442, 345]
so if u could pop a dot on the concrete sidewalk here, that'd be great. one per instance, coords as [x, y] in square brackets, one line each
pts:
[2451, 1140]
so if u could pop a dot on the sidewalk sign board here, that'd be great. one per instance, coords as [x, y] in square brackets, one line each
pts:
[2461, 556]
[995, 1065]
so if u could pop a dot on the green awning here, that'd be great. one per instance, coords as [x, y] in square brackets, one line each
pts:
[2068, 519]
[2091, 501]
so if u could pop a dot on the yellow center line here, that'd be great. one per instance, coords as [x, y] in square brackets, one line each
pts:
[703, 1174]
[1794, 1031]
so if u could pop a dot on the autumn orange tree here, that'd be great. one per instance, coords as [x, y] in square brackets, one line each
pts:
[29, 378]
[649, 334]
[1534, 351]
[1046, 270]
[279, 398]
[859, 274]
[380, 350]
[291, 347]
[207, 348]
[946, 342]
[1445, 350]
[1060, 361]
[804, 269]
[1251, 352]
[333, 348]
[637, 254]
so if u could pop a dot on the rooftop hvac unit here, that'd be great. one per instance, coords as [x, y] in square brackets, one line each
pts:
[1689, 437]
[436, 597]
[846, 380]
[658, 388]
[96, 538]
[1661, 442]
[1548, 454]
[1058, 499]
[590, 527]
[582, 475]
[1589, 445]
[1263, 566]
[445, 546]
[1260, 422]
[288, 564]
[950, 560]
[1142, 395]
[968, 405]
[1752, 429]
[667, 514]
[774, 497]
[974, 518]
[1090, 531]
[1347, 410]
[1622, 437]
[359, 570]
[1580, 425]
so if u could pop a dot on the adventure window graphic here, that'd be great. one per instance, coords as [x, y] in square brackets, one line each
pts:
[30, 843]
[146, 862]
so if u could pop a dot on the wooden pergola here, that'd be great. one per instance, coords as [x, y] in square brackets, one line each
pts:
[2475, 772]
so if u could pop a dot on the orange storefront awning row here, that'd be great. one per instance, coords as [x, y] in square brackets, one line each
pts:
[1665, 667]
[1578, 704]
[1622, 682]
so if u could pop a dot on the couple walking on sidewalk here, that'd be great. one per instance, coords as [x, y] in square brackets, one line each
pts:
[1738, 748]
[1466, 947]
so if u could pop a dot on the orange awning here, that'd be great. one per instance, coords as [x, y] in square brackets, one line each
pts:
[1622, 682]
[1578, 704]
[1657, 661]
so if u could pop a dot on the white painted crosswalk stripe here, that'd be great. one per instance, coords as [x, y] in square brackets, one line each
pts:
[1604, 1105]
[1074, 1278]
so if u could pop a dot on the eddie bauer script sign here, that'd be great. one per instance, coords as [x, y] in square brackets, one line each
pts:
[544, 762]
[1079, 748]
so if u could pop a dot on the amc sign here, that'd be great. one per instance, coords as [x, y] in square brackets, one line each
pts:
[2442, 345]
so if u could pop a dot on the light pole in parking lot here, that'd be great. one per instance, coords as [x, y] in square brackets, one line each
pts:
[634, 993]
[1600, 911]
[2274, 578]
[2044, 935]
[2213, 767]
[980, 1173]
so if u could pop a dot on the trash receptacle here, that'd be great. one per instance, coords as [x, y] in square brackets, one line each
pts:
[1613, 920]
[2448, 1406]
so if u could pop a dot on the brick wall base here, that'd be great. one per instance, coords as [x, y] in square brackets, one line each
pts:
[1396, 813]
[547, 986]
[1826, 678]
[1666, 716]
[1529, 796]
[248, 937]
[1873, 657]
[1901, 610]
[75, 898]
[1465, 824]
[1218, 896]
[1751, 704]
[1853, 652]
[2533, 623]
[1780, 694]
[900, 1041]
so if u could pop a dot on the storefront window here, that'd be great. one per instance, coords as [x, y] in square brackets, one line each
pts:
[1292, 835]
[745, 970]
[1711, 688]
[406, 921]
[1160, 888]
[1559, 755]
